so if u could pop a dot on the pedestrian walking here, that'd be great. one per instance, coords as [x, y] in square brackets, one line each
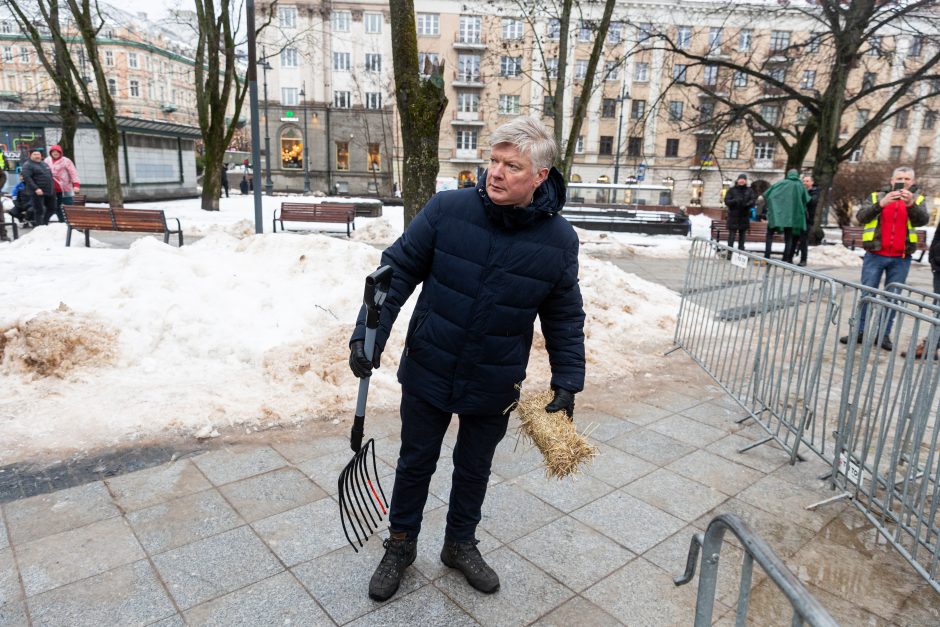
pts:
[889, 240]
[802, 244]
[786, 212]
[490, 259]
[225, 179]
[40, 186]
[739, 200]
[64, 177]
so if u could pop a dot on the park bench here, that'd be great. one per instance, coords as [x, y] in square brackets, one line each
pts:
[755, 234]
[7, 220]
[336, 213]
[78, 200]
[89, 219]
[852, 237]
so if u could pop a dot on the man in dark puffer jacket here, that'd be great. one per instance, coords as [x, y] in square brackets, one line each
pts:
[490, 258]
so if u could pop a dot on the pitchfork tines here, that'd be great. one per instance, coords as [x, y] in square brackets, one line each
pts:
[358, 490]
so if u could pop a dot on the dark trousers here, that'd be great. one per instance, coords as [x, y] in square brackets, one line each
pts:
[789, 244]
[802, 245]
[740, 234]
[43, 208]
[422, 431]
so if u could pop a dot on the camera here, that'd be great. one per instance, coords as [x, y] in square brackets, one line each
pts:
[898, 186]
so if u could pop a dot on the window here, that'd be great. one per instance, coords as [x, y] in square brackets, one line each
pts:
[289, 57]
[894, 154]
[427, 61]
[740, 79]
[641, 72]
[634, 146]
[745, 39]
[287, 17]
[112, 87]
[340, 21]
[5, 27]
[468, 67]
[614, 32]
[802, 115]
[108, 58]
[764, 151]
[606, 146]
[779, 40]
[24, 55]
[342, 156]
[374, 163]
[645, 32]
[585, 32]
[732, 148]
[609, 108]
[512, 28]
[675, 110]
[428, 24]
[856, 155]
[341, 61]
[134, 89]
[468, 102]
[706, 111]
[466, 140]
[132, 61]
[679, 71]
[551, 67]
[672, 147]
[470, 29]
[771, 114]
[900, 120]
[683, 37]
[916, 47]
[8, 55]
[611, 70]
[778, 73]
[923, 154]
[508, 105]
[637, 109]
[868, 80]
[874, 46]
[342, 99]
[813, 43]
[373, 23]
[714, 38]
[580, 69]
[930, 119]
[808, 80]
[579, 145]
[373, 62]
[292, 149]
[710, 76]
[553, 31]
[548, 105]
[510, 66]
[290, 96]
[373, 100]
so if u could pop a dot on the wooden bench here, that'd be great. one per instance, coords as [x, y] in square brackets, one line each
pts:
[87, 219]
[78, 200]
[341, 213]
[755, 234]
[852, 237]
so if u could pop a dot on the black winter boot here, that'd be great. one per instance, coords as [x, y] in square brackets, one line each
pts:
[400, 553]
[465, 557]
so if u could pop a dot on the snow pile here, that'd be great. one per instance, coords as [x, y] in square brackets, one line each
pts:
[380, 232]
[835, 256]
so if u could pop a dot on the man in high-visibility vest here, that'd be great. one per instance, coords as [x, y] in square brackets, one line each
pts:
[890, 239]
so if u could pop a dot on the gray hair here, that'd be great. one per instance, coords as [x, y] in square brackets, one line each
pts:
[531, 138]
[903, 170]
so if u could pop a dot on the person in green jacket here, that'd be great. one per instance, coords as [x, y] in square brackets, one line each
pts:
[786, 211]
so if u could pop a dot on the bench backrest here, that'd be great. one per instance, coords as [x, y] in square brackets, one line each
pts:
[143, 220]
[88, 217]
[326, 210]
[78, 200]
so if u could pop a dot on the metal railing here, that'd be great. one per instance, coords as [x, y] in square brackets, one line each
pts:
[806, 609]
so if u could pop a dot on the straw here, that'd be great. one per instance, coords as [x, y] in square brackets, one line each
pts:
[562, 447]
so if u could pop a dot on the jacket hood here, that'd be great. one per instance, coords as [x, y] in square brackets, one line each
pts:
[793, 175]
[55, 147]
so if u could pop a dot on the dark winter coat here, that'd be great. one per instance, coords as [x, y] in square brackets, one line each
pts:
[37, 175]
[811, 206]
[739, 200]
[934, 254]
[487, 271]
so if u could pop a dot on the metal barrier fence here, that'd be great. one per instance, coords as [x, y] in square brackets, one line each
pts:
[787, 344]
[806, 609]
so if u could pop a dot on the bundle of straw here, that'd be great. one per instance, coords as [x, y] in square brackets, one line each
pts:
[563, 448]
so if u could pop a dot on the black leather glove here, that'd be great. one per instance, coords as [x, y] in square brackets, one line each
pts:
[359, 363]
[563, 400]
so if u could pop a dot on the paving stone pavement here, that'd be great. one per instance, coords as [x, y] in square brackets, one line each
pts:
[247, 533]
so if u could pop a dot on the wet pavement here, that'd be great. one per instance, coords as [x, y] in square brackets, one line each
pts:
[244, 530]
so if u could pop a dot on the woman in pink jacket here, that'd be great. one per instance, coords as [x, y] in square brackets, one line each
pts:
[65, 177]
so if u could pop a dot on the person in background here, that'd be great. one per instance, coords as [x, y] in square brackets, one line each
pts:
[739, 200]
[803, 241]
[65, 178]
[786, 211]
[22, 203]
[224, 179]
[889, 240]
[40, 186]
[243, 185]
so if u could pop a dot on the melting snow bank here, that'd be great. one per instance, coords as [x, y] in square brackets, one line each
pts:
[111, 345]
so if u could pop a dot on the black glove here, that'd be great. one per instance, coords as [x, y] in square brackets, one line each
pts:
[563, 400]
[359, 363]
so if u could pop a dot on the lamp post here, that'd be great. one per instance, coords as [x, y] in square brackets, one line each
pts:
[252, 79]
[623, 96]
[268, 183]
[303, 101]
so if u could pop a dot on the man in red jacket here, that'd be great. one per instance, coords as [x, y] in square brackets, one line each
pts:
[890, 239]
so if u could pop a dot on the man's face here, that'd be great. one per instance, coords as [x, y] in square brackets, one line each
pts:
[510, 178]
[807, 182]
[35, 155]
[741, 182]
[903, 177]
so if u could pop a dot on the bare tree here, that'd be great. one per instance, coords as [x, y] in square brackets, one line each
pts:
[852, 186]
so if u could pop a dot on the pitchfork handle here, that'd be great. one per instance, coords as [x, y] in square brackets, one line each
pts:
[377, 286]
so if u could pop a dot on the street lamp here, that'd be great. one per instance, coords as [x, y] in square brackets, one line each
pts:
[268, 183]
[623, 96]
[303, 100]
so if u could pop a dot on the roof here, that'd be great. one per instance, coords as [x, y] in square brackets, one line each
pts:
[10, 117]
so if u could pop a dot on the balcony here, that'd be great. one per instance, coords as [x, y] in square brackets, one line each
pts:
[468, 78]
[464, 41]
[467, 118]
[769, 164]
[466, 155]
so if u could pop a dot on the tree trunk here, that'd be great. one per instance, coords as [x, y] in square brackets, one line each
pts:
[212, 175]
[558, 98]
[110, 144]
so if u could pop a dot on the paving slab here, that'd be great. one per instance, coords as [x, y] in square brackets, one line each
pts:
[577, 611]
[127, 595]
[615, 467]
[304, 532]
[717, 414]
[212, 567]
[272, 602]
[602, 426]
[765, 458]
[173, 621]
[640, 413]
[144, 488]
[232, 463]
[789, 501]
[13, 615]
[675, 494]
[783, 535]
[633, 523]
[651, 446]
[48, 514]
[10, 590]
[174, 523]
[691, 432]
[431, 541]
[325, 470]
[430, 604]
[716, 472]
[509, 512]
[566, 494]
[271, 493]
[4, 540]
[303, 450]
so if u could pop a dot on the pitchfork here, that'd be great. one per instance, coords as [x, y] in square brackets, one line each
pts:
[357, 487]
